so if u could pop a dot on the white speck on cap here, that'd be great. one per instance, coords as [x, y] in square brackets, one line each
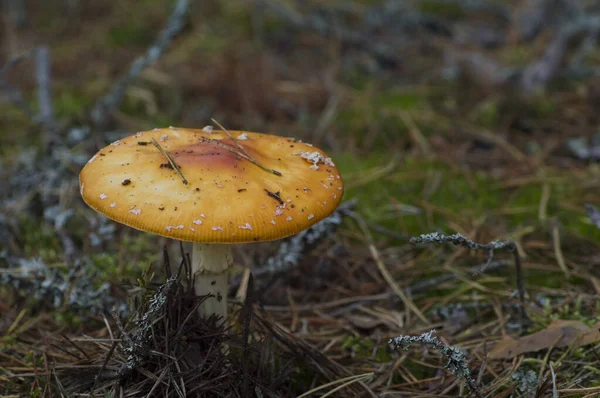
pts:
[273, 222]
[315, 158]
[217, 228]
[279, 209]
[289, 218]
[135, 211]
[208, 129]
[311, 216]
[197, 222]
[103, 196]
[113, 204]
[169, 227]
[116, 143]
[246, 226]
[202, 215]
[243, 137]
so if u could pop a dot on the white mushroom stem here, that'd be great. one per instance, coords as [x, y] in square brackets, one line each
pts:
[210, 265]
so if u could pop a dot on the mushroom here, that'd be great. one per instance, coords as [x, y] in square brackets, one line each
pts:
[213, 190]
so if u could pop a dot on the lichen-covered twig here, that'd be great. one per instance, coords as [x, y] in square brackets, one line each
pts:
[136, 345]
[458, 239]
[456, 365]
[112, 100]
[291, 250]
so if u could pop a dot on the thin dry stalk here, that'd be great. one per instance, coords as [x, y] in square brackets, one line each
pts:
[171, 162]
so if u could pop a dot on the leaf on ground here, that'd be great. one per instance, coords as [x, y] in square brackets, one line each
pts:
[559, 333]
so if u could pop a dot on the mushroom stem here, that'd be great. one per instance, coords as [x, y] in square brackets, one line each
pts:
[210, 263]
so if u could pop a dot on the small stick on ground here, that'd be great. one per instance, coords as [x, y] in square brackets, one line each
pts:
[171, 162]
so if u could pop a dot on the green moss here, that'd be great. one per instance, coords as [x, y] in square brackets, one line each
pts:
[363, 347]
[487, 113]
[71, 103]
[40, 240]
[440, 8]
[67, 319]
[515, 55]
[131, 34]
[141, 252]
[395, 199]
[543, 106]
[394, 100]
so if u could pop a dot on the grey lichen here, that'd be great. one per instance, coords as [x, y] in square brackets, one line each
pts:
[291, 250]
[73, 288]
[527, 382]
[460, 240]
[137, 345]
[456, 364]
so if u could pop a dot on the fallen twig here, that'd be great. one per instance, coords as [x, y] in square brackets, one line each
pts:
[113, 99]
[291, 250]
[458, 239]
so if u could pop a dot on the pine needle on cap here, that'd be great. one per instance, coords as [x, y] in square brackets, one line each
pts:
[171, 162]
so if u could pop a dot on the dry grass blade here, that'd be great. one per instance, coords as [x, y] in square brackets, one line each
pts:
[560, 259]
[408, 303]
[390, 280]
[345, 382]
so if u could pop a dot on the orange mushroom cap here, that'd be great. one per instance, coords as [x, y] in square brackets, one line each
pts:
[227, 198]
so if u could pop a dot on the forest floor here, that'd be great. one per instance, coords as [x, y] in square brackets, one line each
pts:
[442, 116]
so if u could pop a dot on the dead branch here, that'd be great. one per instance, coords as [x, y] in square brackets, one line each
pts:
[113, 99]
[42, 75]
